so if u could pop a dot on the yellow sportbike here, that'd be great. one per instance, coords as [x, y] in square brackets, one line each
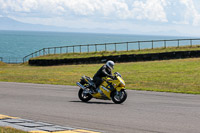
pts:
[110, 89]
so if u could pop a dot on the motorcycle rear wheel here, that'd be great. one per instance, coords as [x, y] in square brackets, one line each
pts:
[119, 100]
[84, 97]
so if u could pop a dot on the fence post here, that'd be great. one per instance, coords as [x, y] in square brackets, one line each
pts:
[60, 50]
[80, 48]
[165, 46]
[88, 47]
[95, 47]
[191, 42]
[127, 46]
[54, 50]
[105, 47]
[178, 43]
[67, 49]
[152, 44]
[73, 49]
[43, 51]
[115, 47]
[139, 45]
[48, 51]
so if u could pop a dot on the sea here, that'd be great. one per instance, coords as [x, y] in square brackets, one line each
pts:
[18, 44]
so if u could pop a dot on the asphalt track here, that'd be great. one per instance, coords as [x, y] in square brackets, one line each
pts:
[143, 112]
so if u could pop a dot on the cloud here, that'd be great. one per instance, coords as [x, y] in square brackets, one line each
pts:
[150, 10]
[102, 9]
[16, 5]
[108, 14]
[191, 13]
[28, 5]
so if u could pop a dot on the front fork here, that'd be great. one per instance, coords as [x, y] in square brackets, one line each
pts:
[118, 92]
[118, 89]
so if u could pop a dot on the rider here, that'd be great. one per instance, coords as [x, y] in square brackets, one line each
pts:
[105, 70]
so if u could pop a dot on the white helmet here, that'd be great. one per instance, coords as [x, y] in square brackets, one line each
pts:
[110, 64]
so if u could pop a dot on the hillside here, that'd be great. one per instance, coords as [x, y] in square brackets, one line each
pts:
[11, 24]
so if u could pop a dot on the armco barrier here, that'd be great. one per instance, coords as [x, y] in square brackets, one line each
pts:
[117, 58]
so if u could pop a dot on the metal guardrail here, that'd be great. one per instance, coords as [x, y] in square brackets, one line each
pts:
[120, 46]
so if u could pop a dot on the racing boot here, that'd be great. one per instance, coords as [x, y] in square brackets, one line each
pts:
[93, 90]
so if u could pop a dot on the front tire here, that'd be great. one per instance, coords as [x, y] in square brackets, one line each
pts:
[118, 99]
[84, 97]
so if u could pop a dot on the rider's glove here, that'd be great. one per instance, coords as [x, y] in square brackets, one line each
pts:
[112, 77]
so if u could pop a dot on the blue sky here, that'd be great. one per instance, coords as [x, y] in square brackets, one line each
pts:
[181, 17]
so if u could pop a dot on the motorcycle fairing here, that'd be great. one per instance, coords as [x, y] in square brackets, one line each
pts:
[107, 86]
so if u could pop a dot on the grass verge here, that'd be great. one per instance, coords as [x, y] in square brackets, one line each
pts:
[10, 130]
[2, 64]
[180, 76]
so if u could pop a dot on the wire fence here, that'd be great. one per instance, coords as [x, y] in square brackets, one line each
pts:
[11, 60]
[120, 46]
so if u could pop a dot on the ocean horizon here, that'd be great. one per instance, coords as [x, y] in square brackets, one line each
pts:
[18, 44]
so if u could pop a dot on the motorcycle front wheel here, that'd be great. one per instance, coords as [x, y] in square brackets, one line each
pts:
[120, 98]
[85, 97]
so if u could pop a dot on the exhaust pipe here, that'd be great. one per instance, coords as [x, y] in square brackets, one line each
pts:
[80, 85]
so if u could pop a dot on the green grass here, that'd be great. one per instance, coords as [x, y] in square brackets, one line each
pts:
[10, 130]
[1, 63]
[180, 76]
[106, 53]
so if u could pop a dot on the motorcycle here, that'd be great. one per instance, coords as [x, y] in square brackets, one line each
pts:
[110, 89]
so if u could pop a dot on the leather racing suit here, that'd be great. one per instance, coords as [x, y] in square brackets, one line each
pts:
[102, 72]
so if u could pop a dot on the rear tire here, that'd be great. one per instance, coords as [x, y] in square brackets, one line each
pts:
[84, 97]
[119, 100]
